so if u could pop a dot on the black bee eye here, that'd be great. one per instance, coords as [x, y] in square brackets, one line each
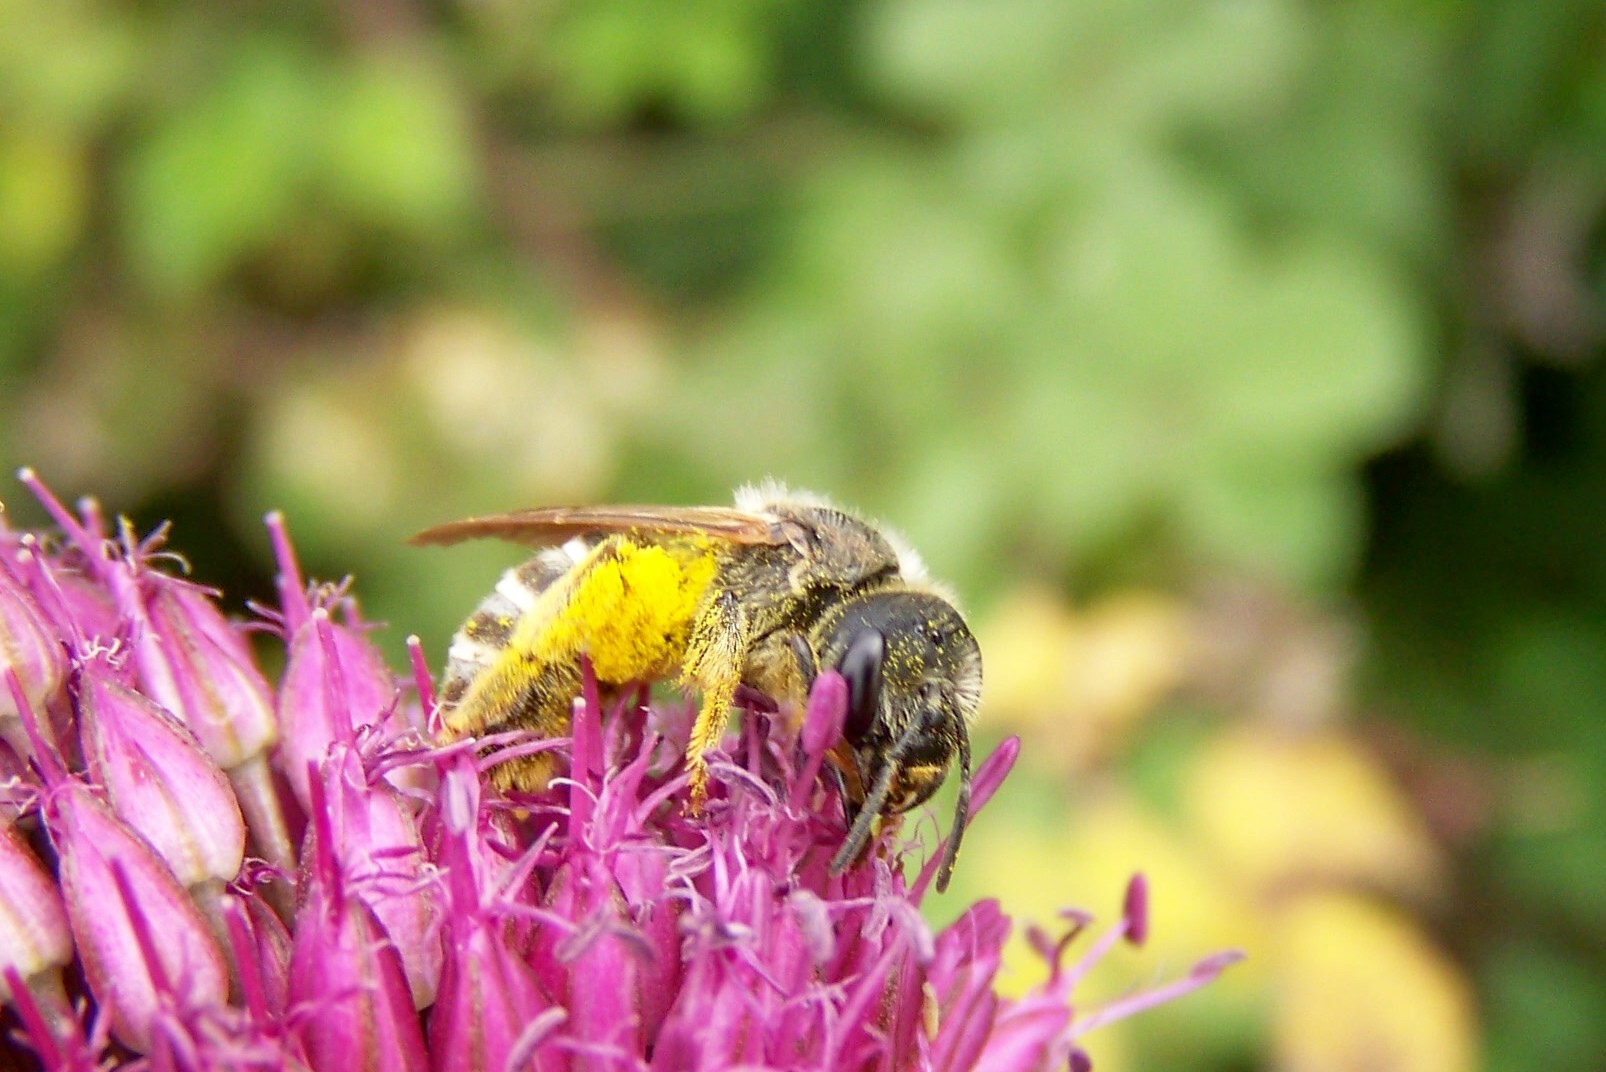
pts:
[860, 666]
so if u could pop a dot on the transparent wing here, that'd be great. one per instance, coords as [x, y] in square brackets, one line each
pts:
[555, 524]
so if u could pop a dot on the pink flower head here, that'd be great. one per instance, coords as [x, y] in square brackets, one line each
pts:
[429, 921]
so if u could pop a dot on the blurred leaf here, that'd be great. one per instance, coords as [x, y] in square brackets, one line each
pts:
[397, 149]
[64, 65]
[1520, 62]
[43, 188]
[1361, 989]
[1299, 525]
[222, 174]
[1144, 62]
[1546, 1010]
[704, 61]
[1280, 811]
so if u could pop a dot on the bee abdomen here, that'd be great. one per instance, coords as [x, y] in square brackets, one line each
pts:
[490, 628]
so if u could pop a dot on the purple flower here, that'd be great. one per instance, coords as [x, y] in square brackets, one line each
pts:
[425, 920]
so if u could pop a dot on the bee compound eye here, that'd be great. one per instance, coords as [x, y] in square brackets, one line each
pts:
[860, 667]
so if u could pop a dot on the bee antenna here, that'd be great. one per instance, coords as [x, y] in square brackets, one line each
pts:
[870, 810]
[950, 852]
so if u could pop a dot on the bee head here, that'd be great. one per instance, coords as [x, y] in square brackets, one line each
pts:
[913, 671]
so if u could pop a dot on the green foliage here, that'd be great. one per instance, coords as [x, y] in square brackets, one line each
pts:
[1084, 293]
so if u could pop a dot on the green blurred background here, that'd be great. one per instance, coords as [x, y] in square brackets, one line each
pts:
[1240, 362]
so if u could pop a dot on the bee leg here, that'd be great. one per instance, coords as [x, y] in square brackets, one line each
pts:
[714, 658]
[862, 824]
[850, 807]
[712, 719]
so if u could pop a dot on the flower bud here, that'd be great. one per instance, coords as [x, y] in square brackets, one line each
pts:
[29, 646]
[371, 824]
[260, 947]
[345, 974]
[489, 999]
[144, 945]
[194, 663]
[159, 780]
[34, 935]
[335, 682]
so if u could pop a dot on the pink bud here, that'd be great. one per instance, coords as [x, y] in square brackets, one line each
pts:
[377, 841]
[194, 663]
[261, 947]
[603, 958]
[346, 978]
[159, 780]
[75, 604]
[34, 936]
[29, 646]
[81, 607]
[116, 920]
[488, 999]
[335, 683]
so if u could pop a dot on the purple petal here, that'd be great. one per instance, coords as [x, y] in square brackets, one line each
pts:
[348, 991]
[488, 997]
[379, 846]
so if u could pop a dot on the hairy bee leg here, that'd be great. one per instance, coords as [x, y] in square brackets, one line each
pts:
[712, 719]
[714, 656]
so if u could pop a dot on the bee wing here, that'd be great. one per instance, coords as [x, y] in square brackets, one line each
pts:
[555, 524]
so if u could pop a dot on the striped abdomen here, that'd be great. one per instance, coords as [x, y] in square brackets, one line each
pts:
[490, 629]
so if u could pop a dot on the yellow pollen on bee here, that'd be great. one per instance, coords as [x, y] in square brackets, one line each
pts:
[631, 612]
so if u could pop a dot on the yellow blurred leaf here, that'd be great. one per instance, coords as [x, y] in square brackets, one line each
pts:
[1025, 639]
[499, 395]
[42, 194]
[1362, 990]
[1078, 683]
[331, 440]
[1276, 809]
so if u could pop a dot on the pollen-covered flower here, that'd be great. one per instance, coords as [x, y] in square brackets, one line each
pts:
[391, 910]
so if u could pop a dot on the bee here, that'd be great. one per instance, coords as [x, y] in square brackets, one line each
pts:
[764, 595]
